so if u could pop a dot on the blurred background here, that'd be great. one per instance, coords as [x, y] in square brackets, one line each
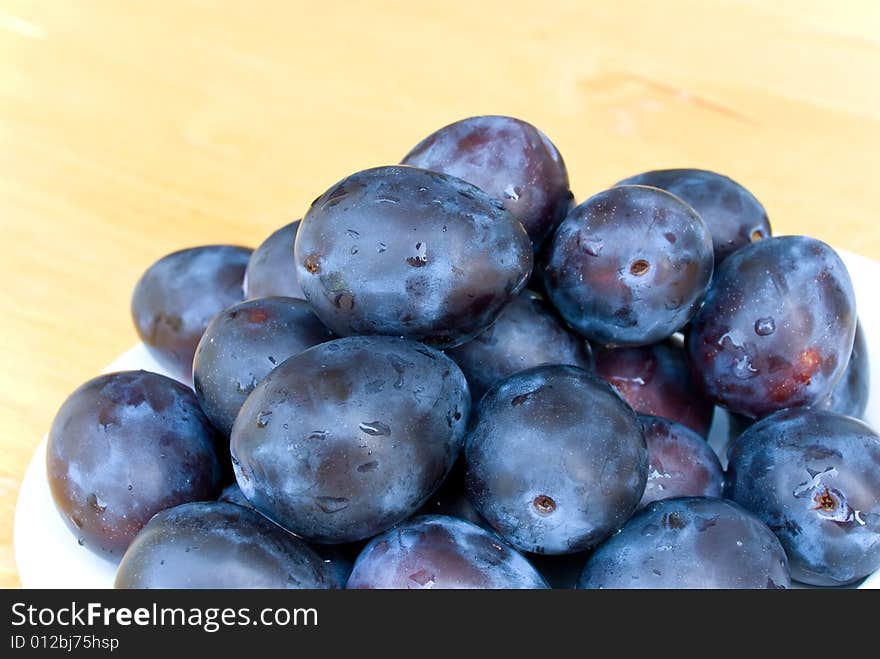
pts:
[131, 129]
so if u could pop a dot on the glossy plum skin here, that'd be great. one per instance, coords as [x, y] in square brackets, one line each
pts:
[219, 545]
[350, 437]
[526, 334]
[442, 553]
[271, 271]
[121, 448]
[556, 460]
[680, 462]
[814, 478]
[232, 494]
[510, 160]
[776, 329]
[656, 380]
[243, 344]
[177, 296]
[690, 542]
[733, 215]
[338, 559]
[850, 395]
[401, 251]
[629, 266]
[451, 499]
[559, 570]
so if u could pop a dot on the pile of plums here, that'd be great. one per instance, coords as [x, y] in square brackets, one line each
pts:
[449, 375]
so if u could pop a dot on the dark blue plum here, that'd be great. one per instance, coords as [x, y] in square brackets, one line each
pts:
[680, 462]
[850, 396]
[350, 437]
[271, 271]
[402, 251]
[452, 500]
[243, 344]
[656, 380]
[733, 215]
[556, 460]
[776, 329]
[629, 266]
[177, 296]
[691, 542]
[219, 545]
[559, 570]
[232, 494]
[526, 334]
[124, 446]
[814, 478]
[510, 160]
[338, 559]
[441, 553]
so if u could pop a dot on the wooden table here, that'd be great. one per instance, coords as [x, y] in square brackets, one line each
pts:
[128, 130]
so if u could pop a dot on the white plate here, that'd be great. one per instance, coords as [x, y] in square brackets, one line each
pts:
[47, 553]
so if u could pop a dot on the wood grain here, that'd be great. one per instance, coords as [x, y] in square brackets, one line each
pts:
[130, 129]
